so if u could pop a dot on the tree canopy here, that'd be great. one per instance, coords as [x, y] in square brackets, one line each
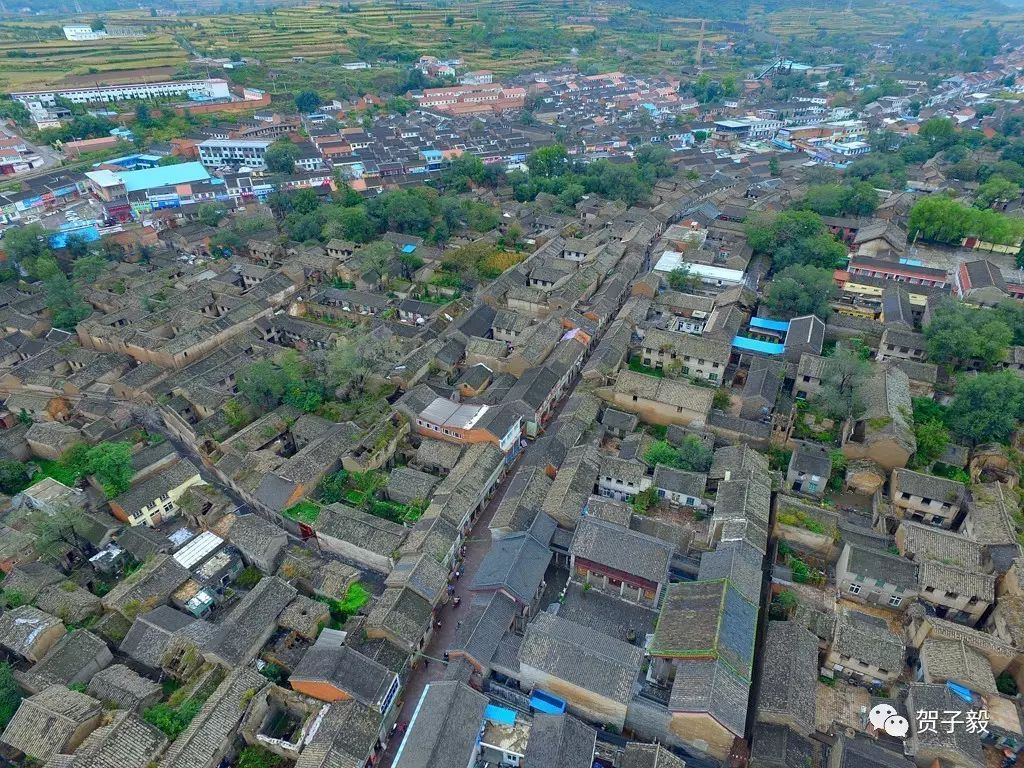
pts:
[800, 289]
[958, 333]
[796, 237]
[987, 407]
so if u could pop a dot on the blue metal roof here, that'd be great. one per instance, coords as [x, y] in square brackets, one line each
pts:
[769, 324]
[182, 173]
[753, 345]
[547, 703]
[497, 714]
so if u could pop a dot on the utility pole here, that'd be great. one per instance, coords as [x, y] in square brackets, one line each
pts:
[700, 44]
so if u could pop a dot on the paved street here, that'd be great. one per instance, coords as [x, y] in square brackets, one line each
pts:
[428, 671]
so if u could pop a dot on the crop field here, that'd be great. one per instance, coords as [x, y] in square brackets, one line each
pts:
[506, 36]
[32, 56]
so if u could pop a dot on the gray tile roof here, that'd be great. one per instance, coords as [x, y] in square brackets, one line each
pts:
[126, 741]
[210, 731]
[346, 669]
[864, 752]
[560, 740]
[959, 747]
[123, 687]
[738, 562]
[711, 617]
[147, 587]
[45, 723]
[927, 486]
[639, 755]
[28, 579]
[711, 687]
[582, 657]
[368, 532]
[255, 616]
[516, 564]
[345, 738]
[790, 674]
[777, 746]
[403, 614]
[484, 625]
[155, 486]
[868, 638]
[69, 602]
[151, 633]
[955, 660]
[444, 728]
[680, 481]
[622, 549]
[879, 564]
[69, 657]
[422, 574]
[522, 499]
[21, 627]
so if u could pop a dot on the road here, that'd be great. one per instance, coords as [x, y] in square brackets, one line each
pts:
[477, 544]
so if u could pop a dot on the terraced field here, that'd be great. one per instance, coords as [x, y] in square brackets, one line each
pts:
[27, 63]
[506, 36]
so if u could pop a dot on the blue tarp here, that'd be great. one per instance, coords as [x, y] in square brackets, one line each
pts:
[546, 703]
[88, 234]
[408, 248]
[501, 715]
[753, 345]
[769, 324]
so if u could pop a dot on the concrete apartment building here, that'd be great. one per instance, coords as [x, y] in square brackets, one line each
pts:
[214, 153]
[214, 88]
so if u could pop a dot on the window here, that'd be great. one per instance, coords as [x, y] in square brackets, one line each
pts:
[855, 589]
[895, 601]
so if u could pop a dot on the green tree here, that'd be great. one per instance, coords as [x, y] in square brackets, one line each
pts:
[694, 456]
[307, 101]
[375, 259]
[800, 290]
[996, 189]
[932, 438]
[409, 264]
[280, 156]
[25, 245]
[661, 452]
[842, 381]
[10, 694]
[65, 302]
[548, 161]
[13, 477]
[400, 105]
[681, 279]
[87, 269]
[111, 465]
[357, 357]
[796, 237]
[211, 214]
[958, 333]
[256, 756]
[987, 407]
[353, 224]
[939, 219]
[305, 201]
[691, 455]
[263, 384]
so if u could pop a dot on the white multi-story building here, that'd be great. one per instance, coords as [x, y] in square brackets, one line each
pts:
[80, 32]
[206, 89]
[214, 153]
